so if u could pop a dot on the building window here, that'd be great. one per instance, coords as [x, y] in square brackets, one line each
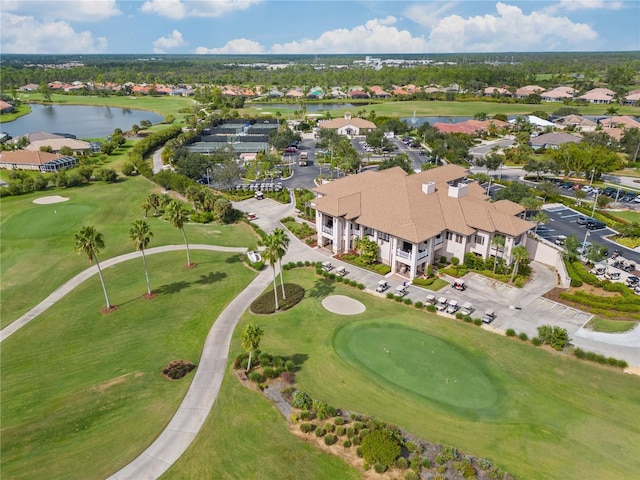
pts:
[458, 238]
[449, 236]
[438, 239]
[479, 239]
[383, 236]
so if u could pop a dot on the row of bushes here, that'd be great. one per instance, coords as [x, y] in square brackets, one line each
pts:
[381, 446]
[598, 358]
[378, 268]
[628, 303]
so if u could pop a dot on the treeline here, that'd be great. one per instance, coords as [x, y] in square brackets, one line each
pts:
[581, 70]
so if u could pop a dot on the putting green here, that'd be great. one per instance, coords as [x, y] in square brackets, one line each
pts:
[417, 362]
[38, 221]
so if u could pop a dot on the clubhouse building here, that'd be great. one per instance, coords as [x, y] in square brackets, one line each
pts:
[416, 219]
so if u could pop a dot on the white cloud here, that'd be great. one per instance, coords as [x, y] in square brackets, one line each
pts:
[163, 44]
[572, 5]
[509, 30]
[68, 10]
[375, 36]
[23, 34]
[240, 46]
[428, 14]
[178, 9]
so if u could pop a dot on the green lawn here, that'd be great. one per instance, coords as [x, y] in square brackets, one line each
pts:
[37, 240]
[441, 108]
[551, 414]
[610, 326]
[627, 215]
[74, 381]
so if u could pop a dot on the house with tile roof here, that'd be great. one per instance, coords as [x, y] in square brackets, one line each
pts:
[524, 92]
[632, 99]
[416, 219]
[35, 160]
[558, 94]
[5, 107]
[598, 96]
[553, 140]
[576, 121]
[490, 91]
[349, 126]
[620, 121]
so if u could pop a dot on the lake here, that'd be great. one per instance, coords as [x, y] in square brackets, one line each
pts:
[79, 120]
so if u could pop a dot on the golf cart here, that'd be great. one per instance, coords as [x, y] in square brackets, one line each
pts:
[251, 216]
[612, 275]
[326, 266]
[467, 308]
[441, 304]
[560, 239]
[599, 269]
[341, 271]
[452, 306]
[489, 316]
[382, 286]
[431, 300]
[259, 195]
[401, 291]
[459, 285]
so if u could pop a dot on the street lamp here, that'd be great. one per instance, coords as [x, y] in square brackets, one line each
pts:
[593, 171]
[593, 212]
[209, 177]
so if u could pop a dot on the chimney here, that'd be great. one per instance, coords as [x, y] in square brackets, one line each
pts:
[429, 187]
[458, 191]
[347, 115]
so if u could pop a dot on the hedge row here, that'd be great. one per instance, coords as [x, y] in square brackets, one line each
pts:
[266, 304]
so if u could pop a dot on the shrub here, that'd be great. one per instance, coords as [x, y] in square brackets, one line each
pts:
[288, 377]
[330, 439]
[427, 463]
[431, 308]
[465, 468]
[256, 377]
[536, 341]
[361, 286]
[356, 440]
[485, 463]
[330, 427]
[346, 443]
[353, 283]
[390, 295]
[418, 304]
[467, 318]
[178, 369]
[339, 279]
[301, 400]
[411, 475]
[398, 298]
[510, 332]
[265, 303]
[307, 427]
[320, 432]
[380, 446]
[339, 421]
[350, 432]
[380, 467]
[270, 372]
[358, 451]
[402, 463]
[523, 336]
[408, 301]
[340, 431]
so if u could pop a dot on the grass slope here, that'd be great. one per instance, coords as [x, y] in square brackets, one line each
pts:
[554, 416]
[74, 382]
[37, 240]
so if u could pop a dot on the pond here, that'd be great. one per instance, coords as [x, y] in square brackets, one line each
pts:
[79, 120]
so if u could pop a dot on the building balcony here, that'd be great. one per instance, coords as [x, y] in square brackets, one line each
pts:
[403, 254]
[422, 254]
[328, 230]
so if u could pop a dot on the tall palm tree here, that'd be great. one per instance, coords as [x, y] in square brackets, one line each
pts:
[498, 243]
[281, 244]
[519, 254]
[140, 234]
[146, 206]
[251, 336]
[178, 216]
[89, 242]
[270, 254]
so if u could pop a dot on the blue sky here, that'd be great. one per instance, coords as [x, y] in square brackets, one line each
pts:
[316, 27]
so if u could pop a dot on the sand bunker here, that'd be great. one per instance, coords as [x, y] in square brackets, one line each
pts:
[343, 305]
[50, 199]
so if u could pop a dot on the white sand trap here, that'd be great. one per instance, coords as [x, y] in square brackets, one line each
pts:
[343, 305]
[50, 199]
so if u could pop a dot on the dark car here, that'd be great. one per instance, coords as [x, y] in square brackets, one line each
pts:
[290, 150]
[595, 225]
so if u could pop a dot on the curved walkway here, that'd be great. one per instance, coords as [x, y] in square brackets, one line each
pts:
[91, 271]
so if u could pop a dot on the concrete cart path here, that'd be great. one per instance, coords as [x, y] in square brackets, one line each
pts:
[65, 288]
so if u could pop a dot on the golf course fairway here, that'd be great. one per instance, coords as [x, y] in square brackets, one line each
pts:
[417, 362]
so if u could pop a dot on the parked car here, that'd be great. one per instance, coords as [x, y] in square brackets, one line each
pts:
[595, 225]
[290, 150]
[584, 247]
[582, 220]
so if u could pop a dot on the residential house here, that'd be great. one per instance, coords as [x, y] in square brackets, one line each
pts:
[499, 91]
[553, 140]
[533, 120]
[619, 121]
[558, 94]
[349, 126]
[378, 92]
[577, 122]
[599, 96]
[294, 93]
[357, 93]
[35, 160]
[56, 144]
[416, 219]
[524, 92]
[30, 87]
[632, 98]
[5, 107]
[316, 93]
[469, 127]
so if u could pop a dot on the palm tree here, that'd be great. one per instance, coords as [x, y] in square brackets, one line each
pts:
[539, 218]
[498, 243]
[519, 254]
[177, 216]
[89, 242]
[271, 255]
[140, 234]
[154, 201]
[146, 206]
[251, 336]
[281, 244]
